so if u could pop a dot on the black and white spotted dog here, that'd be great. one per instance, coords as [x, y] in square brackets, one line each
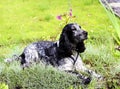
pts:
[63, 54]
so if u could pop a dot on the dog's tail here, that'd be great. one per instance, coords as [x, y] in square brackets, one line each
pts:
[14, 57]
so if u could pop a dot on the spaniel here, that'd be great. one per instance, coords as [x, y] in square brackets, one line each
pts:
[63, 54]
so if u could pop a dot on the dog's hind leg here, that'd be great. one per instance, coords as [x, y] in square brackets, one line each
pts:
[14, 57]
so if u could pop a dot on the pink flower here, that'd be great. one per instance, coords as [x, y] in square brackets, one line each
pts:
[59, 17]
[70, 13]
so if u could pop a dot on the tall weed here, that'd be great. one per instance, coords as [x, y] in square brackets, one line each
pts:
[114, 21]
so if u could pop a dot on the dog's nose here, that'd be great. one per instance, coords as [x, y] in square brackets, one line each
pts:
[86, 33]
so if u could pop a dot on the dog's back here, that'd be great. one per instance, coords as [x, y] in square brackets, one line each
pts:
[34, 52]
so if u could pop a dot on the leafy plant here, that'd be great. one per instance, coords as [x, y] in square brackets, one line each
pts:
[36, 77]
[113, 19]
[3, 86]
[66, 17]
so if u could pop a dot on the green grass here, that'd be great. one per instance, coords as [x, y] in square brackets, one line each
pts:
[26, 21]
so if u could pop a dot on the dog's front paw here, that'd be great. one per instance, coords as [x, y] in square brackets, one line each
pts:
[86, 80]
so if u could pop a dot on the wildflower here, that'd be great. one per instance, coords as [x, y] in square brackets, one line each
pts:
[70, 13]
[59, 17]
[66, 17]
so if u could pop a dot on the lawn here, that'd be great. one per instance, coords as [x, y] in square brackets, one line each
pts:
[26, 21]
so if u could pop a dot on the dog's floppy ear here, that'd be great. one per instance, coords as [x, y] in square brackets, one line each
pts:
[64, 38]
[65, 46]
[80, 47]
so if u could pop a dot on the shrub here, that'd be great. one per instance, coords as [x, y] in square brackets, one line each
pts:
[36, 77]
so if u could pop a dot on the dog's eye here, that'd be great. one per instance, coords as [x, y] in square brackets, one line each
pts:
[80, 35]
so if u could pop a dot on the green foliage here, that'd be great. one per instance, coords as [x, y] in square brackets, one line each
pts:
[114, 21]
[36, 77]
[3, 86]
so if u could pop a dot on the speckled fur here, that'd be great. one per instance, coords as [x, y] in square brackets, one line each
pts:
[62, 54]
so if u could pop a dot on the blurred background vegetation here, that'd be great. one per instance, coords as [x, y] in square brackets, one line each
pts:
[26, 21]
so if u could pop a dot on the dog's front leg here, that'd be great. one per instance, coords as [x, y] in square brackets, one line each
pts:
[66, 65]
[79, 66]
[84, 80]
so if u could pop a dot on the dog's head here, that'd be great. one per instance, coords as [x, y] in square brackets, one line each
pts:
[74, 33]
[73, 37]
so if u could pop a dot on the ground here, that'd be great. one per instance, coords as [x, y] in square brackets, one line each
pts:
[23, 22]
